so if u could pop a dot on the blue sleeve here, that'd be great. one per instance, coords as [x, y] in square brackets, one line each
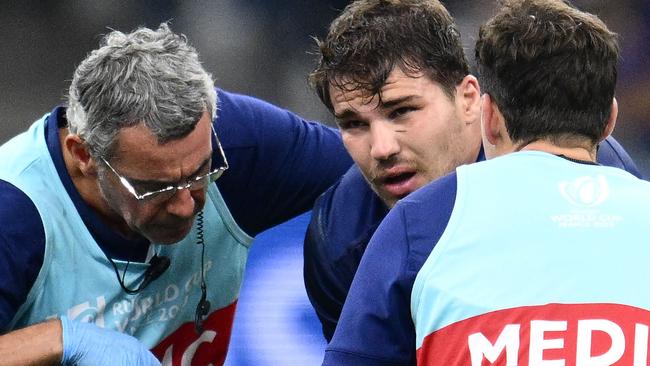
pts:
[611, 153]
[22, 247]
[279, 163]
[376, 327]
[342, 222]
[323, 284]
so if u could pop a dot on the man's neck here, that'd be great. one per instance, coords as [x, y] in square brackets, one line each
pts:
[579, 153]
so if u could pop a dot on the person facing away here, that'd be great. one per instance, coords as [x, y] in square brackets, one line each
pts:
[117, 241]
[395, 76]
[533, 257]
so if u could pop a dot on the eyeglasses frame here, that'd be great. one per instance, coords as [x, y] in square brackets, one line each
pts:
[211, 176]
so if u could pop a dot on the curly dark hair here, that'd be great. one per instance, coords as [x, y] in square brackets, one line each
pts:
[372, 37]
[550, 68]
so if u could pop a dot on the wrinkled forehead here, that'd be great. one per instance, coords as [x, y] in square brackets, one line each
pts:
[348, 91]
[346, 96]
[138, 151]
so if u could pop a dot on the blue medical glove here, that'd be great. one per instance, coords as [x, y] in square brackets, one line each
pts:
[86, 344]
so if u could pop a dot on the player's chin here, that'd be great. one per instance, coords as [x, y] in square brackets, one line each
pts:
[389, 199]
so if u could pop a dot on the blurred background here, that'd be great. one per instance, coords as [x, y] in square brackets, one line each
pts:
[262, 48]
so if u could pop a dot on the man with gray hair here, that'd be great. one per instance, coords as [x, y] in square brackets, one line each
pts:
[118, 245]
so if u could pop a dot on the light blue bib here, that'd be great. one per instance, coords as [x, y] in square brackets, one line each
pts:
[77, 279]
[532, 229]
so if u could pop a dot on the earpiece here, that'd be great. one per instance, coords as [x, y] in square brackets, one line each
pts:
[157, 266]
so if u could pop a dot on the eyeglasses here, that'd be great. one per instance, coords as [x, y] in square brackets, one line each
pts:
[166, 193]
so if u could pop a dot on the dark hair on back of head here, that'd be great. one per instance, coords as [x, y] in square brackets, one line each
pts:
[372, 37]
[550, 68]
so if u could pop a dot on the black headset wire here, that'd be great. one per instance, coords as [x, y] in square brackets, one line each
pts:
[158, 265]
[203, 307]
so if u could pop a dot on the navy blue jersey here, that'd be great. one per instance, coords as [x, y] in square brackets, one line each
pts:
[279, 164]
[399, 263]
[377, 322]
[344, 219]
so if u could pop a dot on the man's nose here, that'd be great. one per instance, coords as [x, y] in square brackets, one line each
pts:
[182, 204]
[384, 142]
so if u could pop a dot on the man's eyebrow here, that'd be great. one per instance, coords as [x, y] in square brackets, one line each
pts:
[164, 182]
[397, 101]
[349, 113]
[346, 114]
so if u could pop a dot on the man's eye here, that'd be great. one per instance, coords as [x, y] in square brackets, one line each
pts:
[349, 125]
[401, 111]
[145, 188]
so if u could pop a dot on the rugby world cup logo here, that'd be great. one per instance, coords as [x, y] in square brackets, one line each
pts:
[585, 192]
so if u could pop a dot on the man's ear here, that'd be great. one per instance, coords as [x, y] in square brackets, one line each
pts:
[491, 121]
[468, 93]
[611, 121]
[79, 154]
